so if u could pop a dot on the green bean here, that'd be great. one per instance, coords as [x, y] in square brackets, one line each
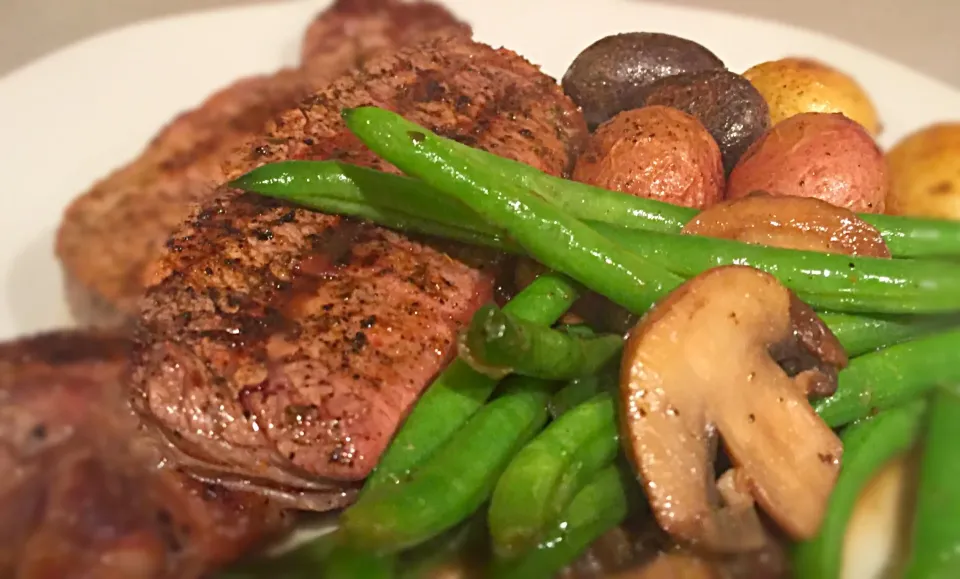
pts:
[892, 376]
[459, 391]
[311, 182]
[315, 183]
[497, 343]
[600, 506]
[454, 547]
[917, 236]
[825, 281]
[867, 446]
[860, 334]
[345, 562]
[547, 473]
[552, 237]
[456, 480]
[935, 551]
[579, 391]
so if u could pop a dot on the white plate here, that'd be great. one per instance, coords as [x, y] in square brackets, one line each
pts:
[71, 117]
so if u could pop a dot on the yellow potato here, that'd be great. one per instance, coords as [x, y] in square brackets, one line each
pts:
[925, 173]
[801, 85]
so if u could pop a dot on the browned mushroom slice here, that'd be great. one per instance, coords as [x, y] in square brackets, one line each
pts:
[672, 566]
[790, 222]
[705, 361]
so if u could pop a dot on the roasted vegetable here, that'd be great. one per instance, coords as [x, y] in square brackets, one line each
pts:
[730, 108]
[925, 173]
[792, 86]
[655, 152]
[826, 156]
[608, 76]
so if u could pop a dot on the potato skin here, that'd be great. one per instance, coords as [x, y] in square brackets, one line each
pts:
[826, 156]
[655, 152]
[925, 173]
[795, 85]
[607, 76]
[732, 110]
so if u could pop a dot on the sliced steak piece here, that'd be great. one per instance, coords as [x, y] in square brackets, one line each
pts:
[352, 31]
[110, 233]
[80, 497]
[284, 346]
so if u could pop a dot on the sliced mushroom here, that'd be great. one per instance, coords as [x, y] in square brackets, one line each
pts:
[790, 222]
[705, 361]
[672, 566]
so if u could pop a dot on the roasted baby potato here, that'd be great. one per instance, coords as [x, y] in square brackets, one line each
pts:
[826, 156]
[802, 85]
[925, 173]
[607, 77]
[731, 109]
[654, 152]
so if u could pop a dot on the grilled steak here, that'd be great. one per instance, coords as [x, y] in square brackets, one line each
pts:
[284, 346]
[353, 31]
[110, 233]
[78, 499]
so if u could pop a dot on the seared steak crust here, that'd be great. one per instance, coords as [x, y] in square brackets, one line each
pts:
[111, 233]
[78, 499]
[284, 345]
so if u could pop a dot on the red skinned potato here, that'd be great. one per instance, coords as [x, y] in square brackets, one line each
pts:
[654, 152]
[820, 155]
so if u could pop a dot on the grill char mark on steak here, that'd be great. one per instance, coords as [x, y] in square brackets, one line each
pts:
[78, 499]
[290, 358]
[111, 233]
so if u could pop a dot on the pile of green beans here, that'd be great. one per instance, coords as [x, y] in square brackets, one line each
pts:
[366, 190]
[826, 281]
[535, 468]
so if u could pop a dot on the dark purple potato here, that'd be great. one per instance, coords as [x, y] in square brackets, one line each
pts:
[734, 113]
[609, 75]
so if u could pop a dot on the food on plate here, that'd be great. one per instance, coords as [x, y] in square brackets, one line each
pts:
[352, 32]
[933, 545]
[679, 385]
[790, 222]
[318, 311]
[79, 499]
[793, 86]
[460, 391]
[544, 476]
[609, 76]
[651, 263]
[337, 187]
[869, 445]
[730, 108]
[111, 233]
[406, 515]
[672, 405]
[657, 152]
[498, 343]
[925, 173]
[826, 156]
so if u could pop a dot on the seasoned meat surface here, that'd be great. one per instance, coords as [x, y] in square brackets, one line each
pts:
[284, 346]
[353, 31]
[110, 233]
[78, 498]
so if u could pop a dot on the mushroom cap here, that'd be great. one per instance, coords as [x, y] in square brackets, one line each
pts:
[790, 222]
[701, 362]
